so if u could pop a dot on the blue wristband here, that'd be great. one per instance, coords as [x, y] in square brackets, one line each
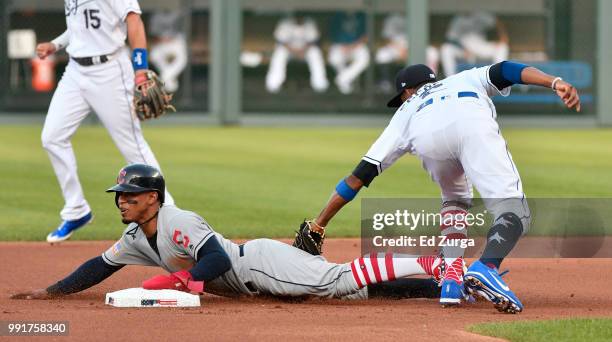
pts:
[139, 59]
[345, 191]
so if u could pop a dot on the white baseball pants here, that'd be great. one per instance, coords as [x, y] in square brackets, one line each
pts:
[107, 89]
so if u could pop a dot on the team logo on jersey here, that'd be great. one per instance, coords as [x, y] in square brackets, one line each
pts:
[429, 89]
[71, 6]
[121, 177]
[180, 239]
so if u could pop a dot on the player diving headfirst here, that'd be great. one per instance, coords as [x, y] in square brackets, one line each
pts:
[451, 126]
[202, 260]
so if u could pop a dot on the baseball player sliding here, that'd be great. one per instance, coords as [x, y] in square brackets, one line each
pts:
[199, 259]
[451, 126]
[99, 77]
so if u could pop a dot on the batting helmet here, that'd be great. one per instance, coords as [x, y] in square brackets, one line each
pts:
[139, 178]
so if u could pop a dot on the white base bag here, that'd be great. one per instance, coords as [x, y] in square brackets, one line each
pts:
[141, 298]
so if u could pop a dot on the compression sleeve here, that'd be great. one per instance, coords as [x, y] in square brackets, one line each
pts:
[506, 73]
[213, 261]
[87, 275]
[366, 172]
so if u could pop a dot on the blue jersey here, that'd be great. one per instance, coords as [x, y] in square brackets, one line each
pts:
[347, 28]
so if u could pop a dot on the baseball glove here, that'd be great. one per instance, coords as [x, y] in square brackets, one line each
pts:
[308, 239]
[150, 98]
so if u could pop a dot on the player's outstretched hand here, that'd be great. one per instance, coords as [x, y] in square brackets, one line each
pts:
[43, 50]
[34, 294]
[568, 94]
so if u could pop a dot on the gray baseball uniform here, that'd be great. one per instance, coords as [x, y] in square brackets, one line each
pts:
[260, 266]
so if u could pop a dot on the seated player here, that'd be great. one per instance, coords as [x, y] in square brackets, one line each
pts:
[201, 260]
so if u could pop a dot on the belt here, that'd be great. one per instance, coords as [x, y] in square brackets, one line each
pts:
[89, 61]
[249, 285]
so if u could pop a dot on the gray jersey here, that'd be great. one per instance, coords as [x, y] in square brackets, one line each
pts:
[260, 266]
[180, 235]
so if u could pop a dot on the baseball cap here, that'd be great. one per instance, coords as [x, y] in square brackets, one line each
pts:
[408, 78]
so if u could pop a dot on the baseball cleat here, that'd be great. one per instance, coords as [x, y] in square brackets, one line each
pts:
[485, 282]
[65, 230]
[452, 291]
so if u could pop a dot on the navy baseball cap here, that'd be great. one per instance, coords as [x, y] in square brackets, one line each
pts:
[410, 77]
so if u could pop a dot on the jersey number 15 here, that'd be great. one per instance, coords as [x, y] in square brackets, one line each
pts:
[91, 17]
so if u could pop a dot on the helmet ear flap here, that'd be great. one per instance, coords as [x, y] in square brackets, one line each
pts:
[161, 197]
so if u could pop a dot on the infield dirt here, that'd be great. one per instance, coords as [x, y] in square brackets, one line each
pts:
[549, 288]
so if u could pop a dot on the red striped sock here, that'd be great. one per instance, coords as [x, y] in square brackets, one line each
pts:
[373, 269]
[455, 271]
[433, 265]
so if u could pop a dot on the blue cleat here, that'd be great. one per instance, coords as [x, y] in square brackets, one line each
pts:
[485, 282]
[65, 230]
[451, 293]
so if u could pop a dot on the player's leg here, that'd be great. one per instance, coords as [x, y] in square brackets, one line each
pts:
[175, 67]
[111, 98]
[386, 54]
[405, 288]
[159, 58]
[337, 58]
[277, 71]
[449, 53]
[456, 200]
[437, 143]
[279, 269]
[483, 49]
[316, 65]
[488, 163]
[360, 59]
[66, 112]
[432, 57]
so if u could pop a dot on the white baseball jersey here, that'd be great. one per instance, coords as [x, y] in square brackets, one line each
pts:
[475, 24]
[294, 35]
[97, 27]
[394, 29]
[450, 125]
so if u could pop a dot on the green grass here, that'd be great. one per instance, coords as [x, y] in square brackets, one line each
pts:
[580, 329]
[253, 182]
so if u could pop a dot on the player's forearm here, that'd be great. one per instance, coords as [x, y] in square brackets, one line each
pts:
[339, 199]
[347, 189]
[61, 41]
[534, 76]
[213, 261]
[137, 36]
[87, 275]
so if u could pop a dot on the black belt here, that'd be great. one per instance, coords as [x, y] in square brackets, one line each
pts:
[89, 61]
[248, 284]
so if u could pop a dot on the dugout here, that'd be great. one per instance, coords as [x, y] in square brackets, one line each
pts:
[560, 34]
